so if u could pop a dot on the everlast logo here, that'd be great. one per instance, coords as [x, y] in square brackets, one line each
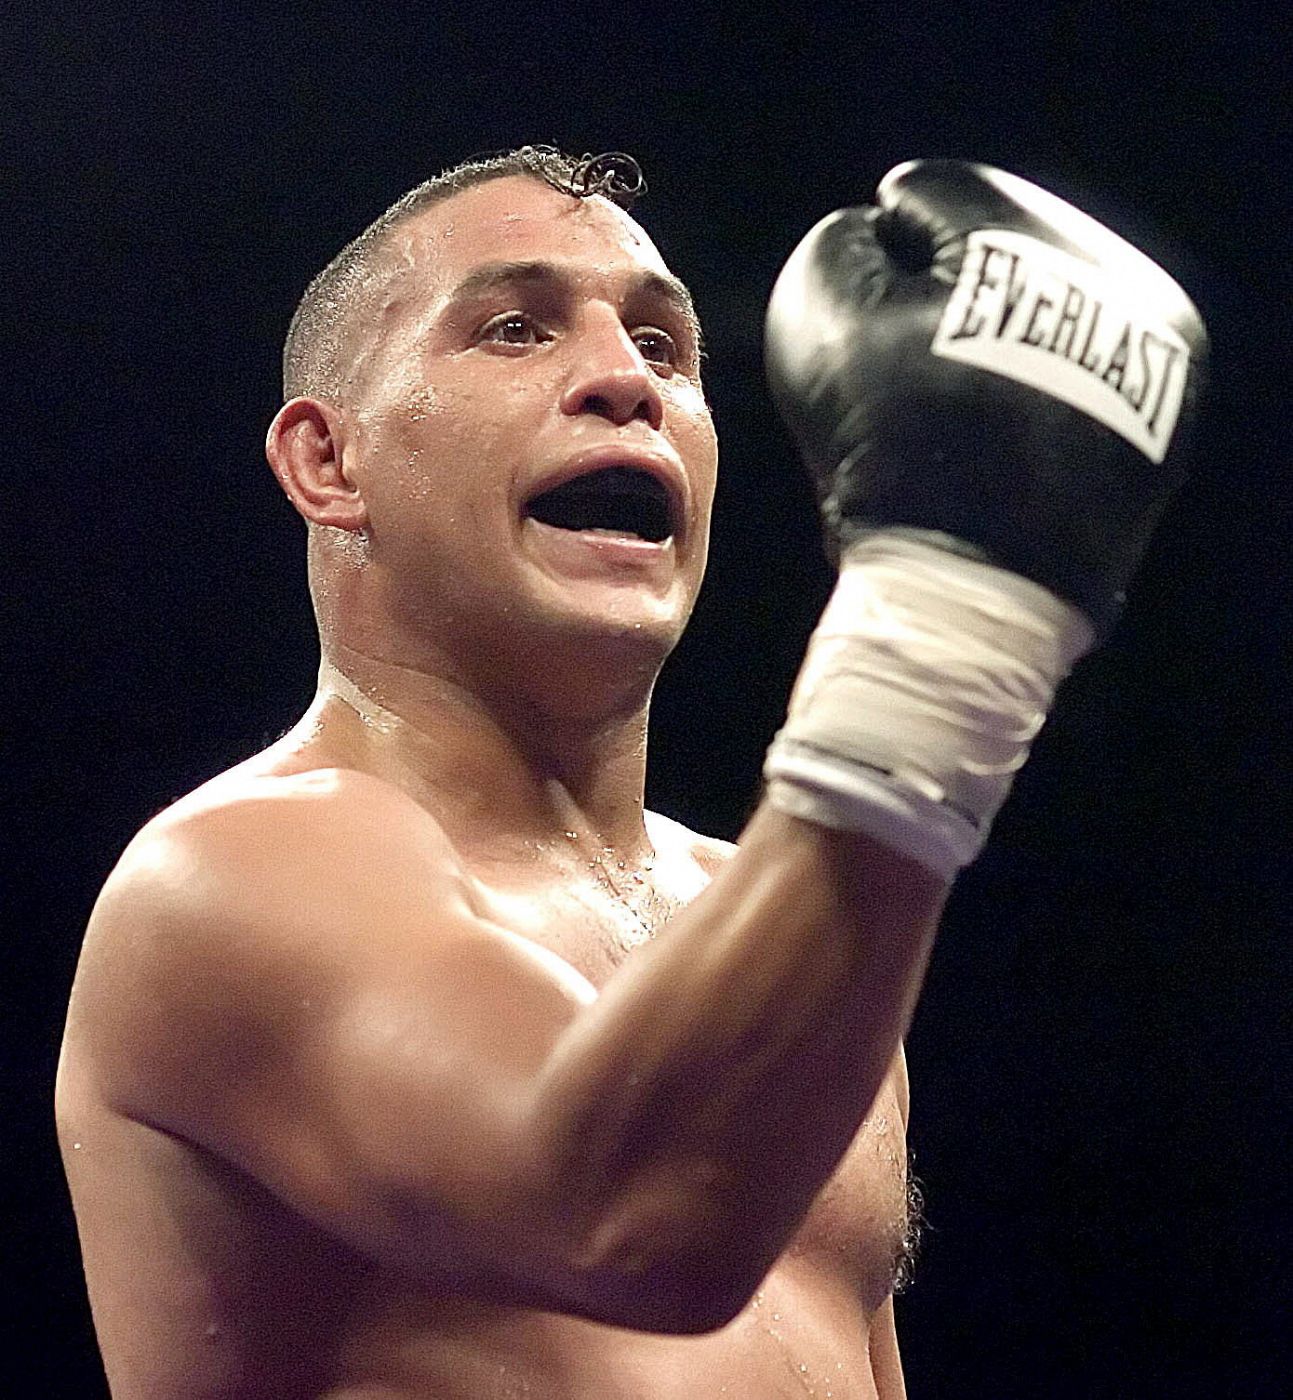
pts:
[1032, 312]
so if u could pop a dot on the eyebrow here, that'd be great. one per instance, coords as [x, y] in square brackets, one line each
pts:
[492, 276]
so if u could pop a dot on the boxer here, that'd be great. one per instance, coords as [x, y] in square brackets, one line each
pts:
[412, 1057]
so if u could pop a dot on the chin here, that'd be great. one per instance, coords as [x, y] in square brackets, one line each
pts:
[621, 633]
[617, 652]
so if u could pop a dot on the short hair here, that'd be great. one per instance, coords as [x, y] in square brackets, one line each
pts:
[316, 352]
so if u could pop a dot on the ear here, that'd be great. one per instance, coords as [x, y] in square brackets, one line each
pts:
[303, 446]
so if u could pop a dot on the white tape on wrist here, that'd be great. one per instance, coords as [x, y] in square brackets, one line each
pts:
[925, 683]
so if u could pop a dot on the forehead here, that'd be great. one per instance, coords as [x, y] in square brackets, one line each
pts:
[518, 218]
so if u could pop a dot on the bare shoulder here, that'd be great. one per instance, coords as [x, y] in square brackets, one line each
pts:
[258, 837]
[672, 837]
[246, 898]
[256, 793]
[290, 973]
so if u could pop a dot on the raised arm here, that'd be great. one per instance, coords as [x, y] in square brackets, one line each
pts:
[297, 980]
[990, 388]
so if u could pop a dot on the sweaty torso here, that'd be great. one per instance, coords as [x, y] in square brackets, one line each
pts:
[208, 1285]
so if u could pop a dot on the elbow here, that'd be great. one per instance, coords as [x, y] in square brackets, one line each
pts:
[680, 1298]
[691, 1301]
[686, 1272]
[676, 1250]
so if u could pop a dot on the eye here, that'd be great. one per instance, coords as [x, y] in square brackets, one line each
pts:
[657, 347]
[513, 328]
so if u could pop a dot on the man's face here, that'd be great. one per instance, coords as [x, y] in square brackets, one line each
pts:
[531, 436]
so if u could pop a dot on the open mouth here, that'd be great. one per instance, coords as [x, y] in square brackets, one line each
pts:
[623, 501]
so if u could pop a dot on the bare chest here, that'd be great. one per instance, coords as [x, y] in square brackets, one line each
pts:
[861, 1228]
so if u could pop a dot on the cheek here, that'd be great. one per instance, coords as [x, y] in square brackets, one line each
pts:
[412, 446]
[439, 461]
[697, 443]
[710, 450]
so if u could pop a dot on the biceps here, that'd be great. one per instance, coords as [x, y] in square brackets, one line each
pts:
[402, 1116]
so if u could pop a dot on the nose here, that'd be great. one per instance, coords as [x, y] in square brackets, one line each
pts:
[610, 378]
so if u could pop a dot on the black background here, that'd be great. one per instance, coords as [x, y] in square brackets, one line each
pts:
[1099, 1063]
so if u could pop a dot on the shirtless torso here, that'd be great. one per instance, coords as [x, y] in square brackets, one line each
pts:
[206, 1284]
[376, 1084]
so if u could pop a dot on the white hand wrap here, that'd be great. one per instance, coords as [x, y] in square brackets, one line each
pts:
[928, 677]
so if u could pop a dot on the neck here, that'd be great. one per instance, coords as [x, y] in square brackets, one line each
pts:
[497, 770]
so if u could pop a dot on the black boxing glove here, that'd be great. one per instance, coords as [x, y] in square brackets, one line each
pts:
[992, 392]
[975, 357]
